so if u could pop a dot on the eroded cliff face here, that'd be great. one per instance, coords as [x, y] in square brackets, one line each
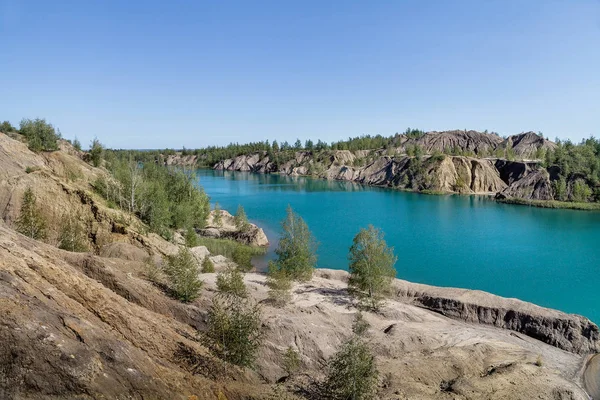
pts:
[439, 172]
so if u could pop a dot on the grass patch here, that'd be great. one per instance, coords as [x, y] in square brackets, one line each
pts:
[553, 204]
[229, 248]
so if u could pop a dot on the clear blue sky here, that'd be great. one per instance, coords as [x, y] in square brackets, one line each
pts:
[155, 74]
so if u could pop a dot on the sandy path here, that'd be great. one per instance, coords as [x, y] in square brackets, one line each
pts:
[591, 377]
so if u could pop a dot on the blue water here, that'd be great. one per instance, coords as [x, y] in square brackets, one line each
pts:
[548, 257]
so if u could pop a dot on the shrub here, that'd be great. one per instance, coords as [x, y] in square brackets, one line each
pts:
[352, 373]
[234, 329]
[152, 271]
[232, 282]
[72, 235]
[241, 220]
[6, 127]
[291, 361]
[190, 237]
[182, 272]
[31, 222]
[242, 256]
[207, 265]
[280, 286]
[29, 170]
[40, 135]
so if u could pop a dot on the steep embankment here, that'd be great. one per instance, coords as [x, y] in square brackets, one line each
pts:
[438, 172]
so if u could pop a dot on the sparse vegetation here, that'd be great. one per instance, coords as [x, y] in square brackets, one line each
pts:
[280, 286]
[72, 235]
[291, 361]
[227, 247]
[217, 217]
[232, 282]
[233, 332]
[182, 272]
[40, 135]
[31, 221]
[191, 237]
[241, 220]
[352, 373]
[207, 265]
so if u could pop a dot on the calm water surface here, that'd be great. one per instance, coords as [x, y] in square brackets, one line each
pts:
[548, 257]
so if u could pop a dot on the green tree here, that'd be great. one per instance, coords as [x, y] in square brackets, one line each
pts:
[31, 222]
[560, 188]
[280, 286]
[297, 248]
[241, 220]
[6, 127]
[352, 373]
[242, 256]
[217, 217]
[72, 236]
[291, 361]
[40, 135]
[77, 144]
[232, 282]
[182, 271]
[207, 265]
[581, 191]
[233, 332]
[96, 152]
[371, 266]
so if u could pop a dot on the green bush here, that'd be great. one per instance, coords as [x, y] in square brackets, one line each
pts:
[227, 248]
[6, 127]
[233, 332]
[72, 235]
[40, 135]
[232, 282]
[182, 271]
[31, 221]
[207, 265]
[352, 373]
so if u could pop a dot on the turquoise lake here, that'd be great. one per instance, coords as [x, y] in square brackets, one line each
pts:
[548, 257]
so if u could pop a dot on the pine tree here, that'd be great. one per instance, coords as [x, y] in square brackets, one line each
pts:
[297, 248]
[72, 236]
[371, 266]
[31, 221]
[352, 373]
[182, 271]
[241, 220]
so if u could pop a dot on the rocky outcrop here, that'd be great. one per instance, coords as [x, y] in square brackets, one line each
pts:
[528, 144]
[393, 168]
[569, 332]
[75, 326]
[534, 186]
[470, 141]
[253, 235]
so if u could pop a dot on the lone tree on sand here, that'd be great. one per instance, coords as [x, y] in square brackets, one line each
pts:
[371, 267]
